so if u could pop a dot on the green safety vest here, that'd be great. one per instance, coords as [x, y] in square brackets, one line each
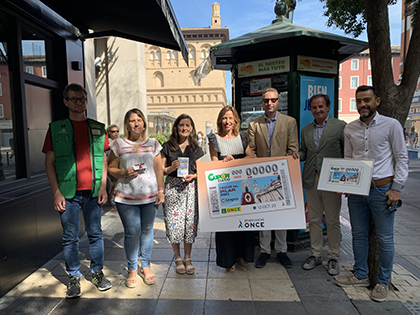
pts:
[65, 157]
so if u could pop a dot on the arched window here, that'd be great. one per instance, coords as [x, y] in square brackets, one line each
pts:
[152, 55]
[203, 54]
[175, 55]
[192, 54]
[158, 55]
[168, 55]
[158, 79]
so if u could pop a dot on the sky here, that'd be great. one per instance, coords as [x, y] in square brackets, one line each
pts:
[244, 16]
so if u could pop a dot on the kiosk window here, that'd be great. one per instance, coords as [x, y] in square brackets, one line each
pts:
[251, 93]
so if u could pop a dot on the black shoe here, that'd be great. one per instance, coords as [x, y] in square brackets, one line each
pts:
[102, 283]
[284, 260]
[262, 260]
[73, 288]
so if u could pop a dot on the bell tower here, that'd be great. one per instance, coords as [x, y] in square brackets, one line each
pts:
[215, 17]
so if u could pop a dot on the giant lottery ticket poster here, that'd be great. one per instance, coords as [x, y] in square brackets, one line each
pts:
[250, 194]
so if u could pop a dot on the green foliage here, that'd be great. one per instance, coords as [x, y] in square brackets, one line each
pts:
[161, 138]
[348, 15]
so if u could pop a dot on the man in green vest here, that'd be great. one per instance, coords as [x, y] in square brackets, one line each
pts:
[76, 166]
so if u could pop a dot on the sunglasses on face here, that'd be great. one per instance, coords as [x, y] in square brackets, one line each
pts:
[114, 131]
[273, 100]
[76, 99]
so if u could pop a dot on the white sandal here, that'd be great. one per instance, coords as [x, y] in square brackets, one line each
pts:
[180, 269]
[189, 268]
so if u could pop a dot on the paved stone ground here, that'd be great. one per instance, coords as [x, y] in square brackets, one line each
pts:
[270, 290]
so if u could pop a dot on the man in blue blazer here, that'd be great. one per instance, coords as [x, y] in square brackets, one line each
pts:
[324, 137]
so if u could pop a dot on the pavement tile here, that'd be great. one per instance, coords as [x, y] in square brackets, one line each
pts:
[319, 290]
[141, 291]
[412, 250]
[406, 280]
[272, 270]
[201, 269]
[31, 306]
[414, 260]
[319, 272]
[227, 289]
[114, 253]
[216, 272]
[159, 232]
[399, 270]
[325, 307]
[357, 293]
[202, 243]
[206, 235]
[162, 254]
[41, 284]
[82, 305]
[188, 288]
[213, 255]
[50, 265]
[130, 306]
[161, 242]
[229, 308]
[264, 308]
[199, 254]
[185, 307]
[382, 308]
[281, 290]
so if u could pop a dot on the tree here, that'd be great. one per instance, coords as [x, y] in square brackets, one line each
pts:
[355, 16]
[352, 17]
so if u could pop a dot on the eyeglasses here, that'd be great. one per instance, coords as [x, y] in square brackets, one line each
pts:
[273, 100]
[114, 131]
[75, 99]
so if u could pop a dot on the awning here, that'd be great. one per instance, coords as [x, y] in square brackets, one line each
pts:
[148, 21]
[282, 37]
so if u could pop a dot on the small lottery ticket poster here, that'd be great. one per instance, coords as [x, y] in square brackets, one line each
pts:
[183, 167]
[253, 194]
[346, 175]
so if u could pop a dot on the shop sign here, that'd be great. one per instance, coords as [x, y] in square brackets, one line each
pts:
[319, 65]
[263, 67]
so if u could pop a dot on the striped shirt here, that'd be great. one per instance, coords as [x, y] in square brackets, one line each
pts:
[230, 146]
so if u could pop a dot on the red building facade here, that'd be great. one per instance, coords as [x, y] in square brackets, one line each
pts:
[357, 71]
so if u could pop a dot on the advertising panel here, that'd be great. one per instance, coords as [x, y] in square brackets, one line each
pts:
[310, 86]
[314, 64]
[250, 194]
[263, 67]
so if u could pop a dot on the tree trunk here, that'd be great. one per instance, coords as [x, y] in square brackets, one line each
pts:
[373, 256]
[395, 100]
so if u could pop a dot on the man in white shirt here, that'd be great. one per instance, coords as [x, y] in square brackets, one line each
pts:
[380, 138]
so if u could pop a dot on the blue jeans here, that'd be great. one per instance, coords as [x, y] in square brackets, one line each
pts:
[360, 208]
[138, 223]
[70, 222]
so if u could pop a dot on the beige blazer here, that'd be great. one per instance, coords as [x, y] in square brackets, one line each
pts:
[285, 137]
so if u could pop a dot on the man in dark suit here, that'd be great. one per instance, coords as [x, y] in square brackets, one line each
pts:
[273, 134]
[324, 137]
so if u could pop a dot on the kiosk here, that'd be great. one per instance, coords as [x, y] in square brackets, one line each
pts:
[297, 61]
